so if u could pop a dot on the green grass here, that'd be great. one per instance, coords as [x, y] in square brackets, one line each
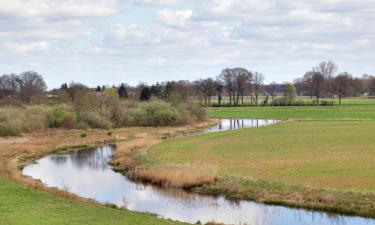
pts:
[329, 154]
[23, 206]
[330, 150]
[345, 112]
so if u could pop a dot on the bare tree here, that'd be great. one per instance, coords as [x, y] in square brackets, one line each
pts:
[227, 77]
[308, 84]
[317, 84]
[242, 77]
[328, 69]
[343, 84]
[272, 90]
[31, 85]
[76, 90]
[9, 85]
[258, 82]
[219, 87]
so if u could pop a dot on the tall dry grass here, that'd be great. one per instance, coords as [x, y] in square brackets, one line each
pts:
[176, 175]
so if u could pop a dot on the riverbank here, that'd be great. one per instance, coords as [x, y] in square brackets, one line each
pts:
[15, 152]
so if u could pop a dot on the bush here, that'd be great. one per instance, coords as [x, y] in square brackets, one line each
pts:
[8, 128]
[36, 117]
[62, 116]
[327, 103]
[14, 121]
[95, 120]
[155, 113]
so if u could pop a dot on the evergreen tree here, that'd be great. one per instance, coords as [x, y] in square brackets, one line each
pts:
[145, 94]
[122, 91]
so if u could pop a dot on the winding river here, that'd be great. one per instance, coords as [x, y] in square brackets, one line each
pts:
[87, 174]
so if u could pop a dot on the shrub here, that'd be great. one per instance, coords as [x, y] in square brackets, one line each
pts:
[95, 120]
[83, 135]
[326, 103]
[36, 116]
[62, 116]
[8, 128]
[198, 112]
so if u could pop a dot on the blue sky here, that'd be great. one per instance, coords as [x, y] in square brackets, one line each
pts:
[114, 41]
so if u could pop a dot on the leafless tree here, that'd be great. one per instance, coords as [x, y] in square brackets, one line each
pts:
[9, 85]
[242, 77]
[317, 84]
[342, 83]
[31, 85]
[272, 90]
[75, 90]
[258, 82]
[228, 79]
[219, 88]
[328, 69]
[308, 84]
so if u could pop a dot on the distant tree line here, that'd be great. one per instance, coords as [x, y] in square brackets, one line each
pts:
[232, 87]
[24, 86]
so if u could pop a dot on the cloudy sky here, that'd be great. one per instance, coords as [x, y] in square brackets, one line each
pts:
[114, 41]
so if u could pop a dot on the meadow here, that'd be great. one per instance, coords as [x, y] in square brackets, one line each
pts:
[21, 205]
[328, 151]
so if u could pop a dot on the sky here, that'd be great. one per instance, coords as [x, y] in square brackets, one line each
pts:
[131, 41]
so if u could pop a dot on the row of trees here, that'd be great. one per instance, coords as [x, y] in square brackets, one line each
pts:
[234, 85]
[25, 86]
[325, 81]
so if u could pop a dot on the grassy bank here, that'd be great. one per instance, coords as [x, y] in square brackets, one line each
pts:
[20, 205]
[322, 159]
[26, 201]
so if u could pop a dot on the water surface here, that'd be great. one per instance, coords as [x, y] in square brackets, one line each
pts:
[87, 174]
[235, 124]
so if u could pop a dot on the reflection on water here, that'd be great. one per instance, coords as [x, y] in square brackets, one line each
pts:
[235, 124]
[87, 174]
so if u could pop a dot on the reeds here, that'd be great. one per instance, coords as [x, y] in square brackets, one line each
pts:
[176, 175]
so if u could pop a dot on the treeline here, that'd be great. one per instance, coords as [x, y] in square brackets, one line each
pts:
[24, 86]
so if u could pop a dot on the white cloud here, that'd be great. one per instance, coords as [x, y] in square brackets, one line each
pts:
[156, 2]
[24, 48]
[57, 9]
[281, 38]
[177, 18]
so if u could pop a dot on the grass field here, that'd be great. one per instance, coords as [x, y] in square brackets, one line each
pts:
[344, 112]
[20, 205]
[330, 148]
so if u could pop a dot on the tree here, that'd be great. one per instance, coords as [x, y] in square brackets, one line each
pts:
[290, 92]
[219, 88]
[64, 86]
[371, 87]
[9, 85]
[317, 84]
[76, 90]
[157, 90]
[242, 77]
[342, 83]
[227, 78]
[31, 85]
[328, 70]
[145, 94]
[258, 81]
[122, 91]
[272, 90]
[308, 84]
